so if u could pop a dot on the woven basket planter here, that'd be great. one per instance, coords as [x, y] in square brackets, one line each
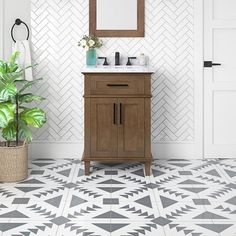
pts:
[13, 163]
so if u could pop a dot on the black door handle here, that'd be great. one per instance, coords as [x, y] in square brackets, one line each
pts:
[114, 113]
[121, 113]
[210, 64]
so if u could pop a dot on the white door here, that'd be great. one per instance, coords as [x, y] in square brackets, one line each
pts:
[220, 80]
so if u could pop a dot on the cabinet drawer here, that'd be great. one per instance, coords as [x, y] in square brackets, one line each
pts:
[117, 84]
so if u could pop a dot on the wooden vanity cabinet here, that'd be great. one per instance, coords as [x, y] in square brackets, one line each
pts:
[117, 118]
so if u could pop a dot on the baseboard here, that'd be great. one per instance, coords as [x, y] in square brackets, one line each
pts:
[56, 150]
[173, 150]
[59, 150]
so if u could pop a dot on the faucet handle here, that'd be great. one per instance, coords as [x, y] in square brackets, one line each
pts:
[117, 59]
[129, 60]
[105, 61]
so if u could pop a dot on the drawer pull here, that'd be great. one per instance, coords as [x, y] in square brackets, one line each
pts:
[117, 85]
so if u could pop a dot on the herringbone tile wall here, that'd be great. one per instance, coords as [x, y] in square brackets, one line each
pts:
[57, 25]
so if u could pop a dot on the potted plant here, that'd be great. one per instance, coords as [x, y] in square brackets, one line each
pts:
[90, 42]
[15, 119]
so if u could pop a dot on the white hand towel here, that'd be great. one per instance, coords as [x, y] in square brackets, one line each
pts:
[24, 59]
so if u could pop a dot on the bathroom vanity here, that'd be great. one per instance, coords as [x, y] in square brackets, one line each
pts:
[117, 115]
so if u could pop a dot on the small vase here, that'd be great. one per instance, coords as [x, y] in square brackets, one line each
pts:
[91, 57]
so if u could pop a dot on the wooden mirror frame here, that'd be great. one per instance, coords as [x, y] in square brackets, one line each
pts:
[117, 33]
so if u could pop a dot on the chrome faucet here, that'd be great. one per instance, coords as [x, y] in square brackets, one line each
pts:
[117, 59]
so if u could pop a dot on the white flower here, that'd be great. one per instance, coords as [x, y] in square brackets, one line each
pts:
[91, 43]
[86, 47]
[83, 42]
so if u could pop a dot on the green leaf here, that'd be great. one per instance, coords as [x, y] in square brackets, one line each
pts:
[23, 107]
[2, 83]
[7, 92]
[9, 132]
[4, 68]
[20, 80]
[4, 78]
[34, 117]
[29, 97]
[27, 67]
[7, 111]
[13, 58]
[25, 132]
[29, 84]
[12, 63]
[15, 76]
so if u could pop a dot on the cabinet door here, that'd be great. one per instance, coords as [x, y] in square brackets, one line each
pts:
[131, 141]
[104, 129]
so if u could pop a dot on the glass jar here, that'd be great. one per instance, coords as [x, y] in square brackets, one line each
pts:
[91, 57]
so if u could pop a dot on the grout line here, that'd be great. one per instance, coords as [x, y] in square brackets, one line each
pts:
[223, 173]
[68, 191]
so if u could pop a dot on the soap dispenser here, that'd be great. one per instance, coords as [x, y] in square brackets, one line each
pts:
[142, 59]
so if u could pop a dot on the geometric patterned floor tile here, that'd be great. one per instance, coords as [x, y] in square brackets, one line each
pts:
[182, 197]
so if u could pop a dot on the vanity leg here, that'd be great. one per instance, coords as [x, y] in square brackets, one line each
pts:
[87, 167]
[148, 168]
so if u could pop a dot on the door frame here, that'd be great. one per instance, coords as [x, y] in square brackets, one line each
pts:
[199, 78]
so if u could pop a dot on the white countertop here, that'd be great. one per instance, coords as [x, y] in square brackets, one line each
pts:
[118, 69]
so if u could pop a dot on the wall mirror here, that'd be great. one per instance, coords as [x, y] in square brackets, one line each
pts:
[116, 18]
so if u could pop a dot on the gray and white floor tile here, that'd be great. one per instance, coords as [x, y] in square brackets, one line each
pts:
[181, 197]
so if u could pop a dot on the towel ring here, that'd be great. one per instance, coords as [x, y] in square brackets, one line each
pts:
[18, 22]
